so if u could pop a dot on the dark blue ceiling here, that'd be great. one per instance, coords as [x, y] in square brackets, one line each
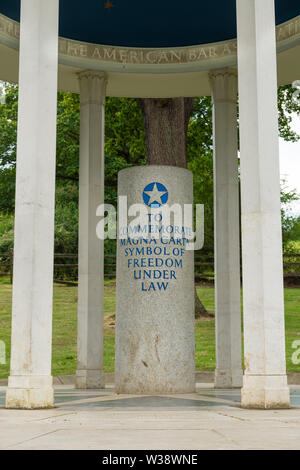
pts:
[150, 23]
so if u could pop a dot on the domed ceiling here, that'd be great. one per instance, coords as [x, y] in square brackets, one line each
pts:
[150, 23]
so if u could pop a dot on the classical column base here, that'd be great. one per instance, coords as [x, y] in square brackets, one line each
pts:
[265, 392]
[86, 378]
[30, 392]
[227, 378]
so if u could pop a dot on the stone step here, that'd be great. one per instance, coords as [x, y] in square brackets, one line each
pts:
[202, 376]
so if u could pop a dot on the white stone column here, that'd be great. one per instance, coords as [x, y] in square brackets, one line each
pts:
[30, 381]
[228, 372]
[155, 311]
[265, 381]
[91, 249]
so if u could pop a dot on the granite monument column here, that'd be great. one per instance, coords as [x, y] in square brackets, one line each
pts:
[155, 350]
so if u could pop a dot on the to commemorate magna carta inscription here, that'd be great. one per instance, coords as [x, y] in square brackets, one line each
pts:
[155, 286]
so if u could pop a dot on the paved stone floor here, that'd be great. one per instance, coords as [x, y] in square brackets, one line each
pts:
[208, 419]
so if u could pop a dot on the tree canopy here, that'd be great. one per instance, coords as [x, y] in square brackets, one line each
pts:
[124, 146]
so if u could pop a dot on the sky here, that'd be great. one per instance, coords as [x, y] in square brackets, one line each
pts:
[290, 164]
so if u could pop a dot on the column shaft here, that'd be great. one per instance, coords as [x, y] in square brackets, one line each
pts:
[265, 382]
[227, 244]
[91, 249]
[30, 381]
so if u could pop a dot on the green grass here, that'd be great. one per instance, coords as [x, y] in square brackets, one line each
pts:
[292, 325]
[205, 333]
[64, 328]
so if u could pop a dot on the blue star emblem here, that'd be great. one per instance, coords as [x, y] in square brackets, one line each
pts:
[155, 195]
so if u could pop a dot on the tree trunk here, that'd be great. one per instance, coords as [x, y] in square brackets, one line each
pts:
[200, 310]
[166, 122]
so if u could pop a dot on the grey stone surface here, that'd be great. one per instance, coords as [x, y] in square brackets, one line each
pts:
[227, 231]
[30, 383]
[155, 329]
[91, 249]
[264, 382]
[208, 419]
[202, 377]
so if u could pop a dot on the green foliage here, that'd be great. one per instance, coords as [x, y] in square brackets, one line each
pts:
[287, 106]
[66, 219]
[124, 141]
[295, 233]
[6, 233]
[290, 222]
[293, 246]
[8, 139]
[124, 146]
[200, 162]
[67, 147]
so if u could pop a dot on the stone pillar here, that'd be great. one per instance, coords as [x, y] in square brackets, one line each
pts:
[91, 249]
[30, 381]
[228, 372]
[265, 381]
[155, 341]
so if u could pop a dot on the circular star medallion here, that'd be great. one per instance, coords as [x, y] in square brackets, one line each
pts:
[155, 195]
